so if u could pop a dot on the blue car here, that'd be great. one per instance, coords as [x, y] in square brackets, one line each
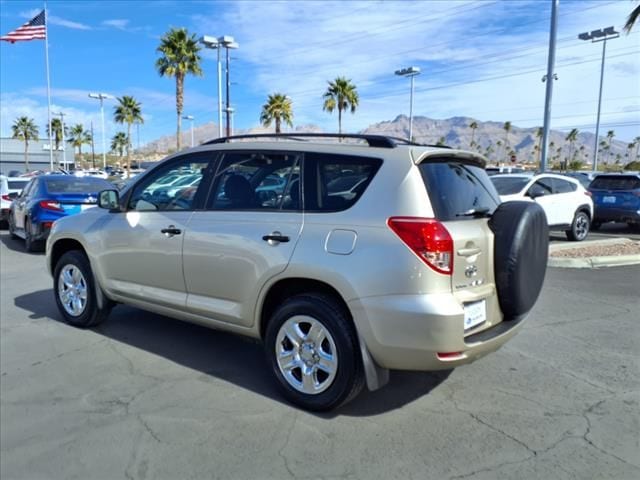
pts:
[616, 198]
[47, 198]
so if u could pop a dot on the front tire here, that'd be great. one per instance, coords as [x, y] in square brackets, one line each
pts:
[579, 227]
[313, 351]
[75, 291]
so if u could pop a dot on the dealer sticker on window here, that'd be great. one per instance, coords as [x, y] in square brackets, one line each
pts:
[474, 314]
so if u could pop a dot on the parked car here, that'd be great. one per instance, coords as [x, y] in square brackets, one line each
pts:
[10, 187]
[420, 268]
[584, 178]
[505, 169]
[566, 203]
[48, 198]
[616, 198]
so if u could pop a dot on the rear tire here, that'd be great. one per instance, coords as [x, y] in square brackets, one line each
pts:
[75, 291]
[579, 227]
[313, 351]
[12, 226]
[30, 244]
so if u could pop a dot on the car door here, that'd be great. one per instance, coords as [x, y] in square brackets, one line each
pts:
[22, 203]
[566, 200]
[246, 234]
[141, 248]
[543, 194]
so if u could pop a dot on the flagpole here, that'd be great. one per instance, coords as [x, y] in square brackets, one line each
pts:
[46, 56]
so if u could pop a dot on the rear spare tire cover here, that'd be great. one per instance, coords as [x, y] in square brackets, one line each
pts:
[521, 250]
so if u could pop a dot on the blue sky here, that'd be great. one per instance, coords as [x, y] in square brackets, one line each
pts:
[482, 59]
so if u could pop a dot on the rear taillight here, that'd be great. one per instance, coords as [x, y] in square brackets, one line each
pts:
[6, 197]
[51, 205]
[428, 238]
[588, 193]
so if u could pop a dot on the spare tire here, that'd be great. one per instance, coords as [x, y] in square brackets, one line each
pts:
[521, 250]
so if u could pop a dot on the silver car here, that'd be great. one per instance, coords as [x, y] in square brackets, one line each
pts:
[417, 267]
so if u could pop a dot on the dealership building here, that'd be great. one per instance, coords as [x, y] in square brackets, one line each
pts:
[12, 156]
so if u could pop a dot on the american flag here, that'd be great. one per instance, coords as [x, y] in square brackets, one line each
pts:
[32, 30]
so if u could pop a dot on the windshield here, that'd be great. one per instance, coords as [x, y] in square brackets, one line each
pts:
[509, 185]
[76, 185]
[185, 181]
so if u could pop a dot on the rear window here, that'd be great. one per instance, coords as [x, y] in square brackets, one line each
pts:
[509, 185]
[13, 185]
[457, 190]
[76, 185]
[623, 182]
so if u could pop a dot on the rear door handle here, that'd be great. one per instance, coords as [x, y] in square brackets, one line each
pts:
[469, 252]
[171, 230]
[276, 237]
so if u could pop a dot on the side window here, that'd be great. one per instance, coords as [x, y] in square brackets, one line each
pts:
[173, 187]
[562, 186]
[257, 181]
[542, 187]
[336, 182]
[30, 188]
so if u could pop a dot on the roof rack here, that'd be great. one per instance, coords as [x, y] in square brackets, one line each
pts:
[379, 141]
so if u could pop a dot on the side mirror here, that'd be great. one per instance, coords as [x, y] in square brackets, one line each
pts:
[109, 199]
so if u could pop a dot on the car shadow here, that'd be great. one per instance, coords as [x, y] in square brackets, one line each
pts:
[16, 244]
[243, 362]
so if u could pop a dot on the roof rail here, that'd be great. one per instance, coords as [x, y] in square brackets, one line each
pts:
[379, 141]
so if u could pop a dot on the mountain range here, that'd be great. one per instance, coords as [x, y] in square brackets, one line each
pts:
[488, 138]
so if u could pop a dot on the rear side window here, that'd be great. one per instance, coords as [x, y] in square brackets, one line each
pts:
[562, 186]
[509, 185]
[336, 182]
[623, 182]
[458, 190]
[13, 185]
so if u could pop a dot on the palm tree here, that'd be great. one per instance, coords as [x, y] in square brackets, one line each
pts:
[25, 129]
[179, 57]
[79, 136]
[473, 126]
[56, 129]
[128, 111]
[507, 129]
[572, 137]
[119, 142]
[278, 108]
[610, 135]
[631, 19]
[340, 94]
[441, 141]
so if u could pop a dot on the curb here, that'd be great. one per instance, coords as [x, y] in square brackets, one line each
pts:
[588, 243]
[594, 262]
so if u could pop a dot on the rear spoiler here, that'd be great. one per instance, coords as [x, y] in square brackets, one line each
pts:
[442, 155]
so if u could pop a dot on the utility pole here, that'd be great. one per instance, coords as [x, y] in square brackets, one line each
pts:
[102, 97]
[93, 150]
[549, 78]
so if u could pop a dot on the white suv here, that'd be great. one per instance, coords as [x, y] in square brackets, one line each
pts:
[409, 263]
[566, 203]
[10, 187]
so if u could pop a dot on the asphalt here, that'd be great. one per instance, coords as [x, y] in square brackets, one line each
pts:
[146, 397]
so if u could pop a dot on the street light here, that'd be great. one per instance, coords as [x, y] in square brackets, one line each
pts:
[102, 97]
[190, 117]
[218, 43]
[601, 35]
[410, 72]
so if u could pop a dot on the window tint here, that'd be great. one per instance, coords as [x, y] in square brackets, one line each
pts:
[173, 187]
[509, 185]
[254, 180]
[543, 186]
[562, 186]
[457, 188]
[622, 182]
[29, 188]
[71, 184]
[336, 182]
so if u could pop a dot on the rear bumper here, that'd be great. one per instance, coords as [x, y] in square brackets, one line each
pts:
[606, 214]
[406, 332]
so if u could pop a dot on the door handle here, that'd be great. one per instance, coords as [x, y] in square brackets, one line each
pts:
[276, 237]
[469, 252]
[171, 230]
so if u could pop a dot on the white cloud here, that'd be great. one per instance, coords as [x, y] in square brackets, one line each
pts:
[54, 20]
[120, 24]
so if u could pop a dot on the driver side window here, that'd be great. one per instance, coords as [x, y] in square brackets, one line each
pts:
[171, 188]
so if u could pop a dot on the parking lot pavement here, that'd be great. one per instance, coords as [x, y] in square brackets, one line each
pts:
[143, 396]
[608, 230]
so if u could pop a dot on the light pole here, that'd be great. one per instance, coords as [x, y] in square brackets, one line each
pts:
[102, 97]
[410, 72]
[601, 35]
[64, 150]
[549, 78]
[190, 117]
[218, 43]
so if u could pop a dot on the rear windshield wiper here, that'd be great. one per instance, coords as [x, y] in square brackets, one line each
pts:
[475, 212]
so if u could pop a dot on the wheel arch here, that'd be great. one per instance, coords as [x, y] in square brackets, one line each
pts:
[586, 209]
[62, 246]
